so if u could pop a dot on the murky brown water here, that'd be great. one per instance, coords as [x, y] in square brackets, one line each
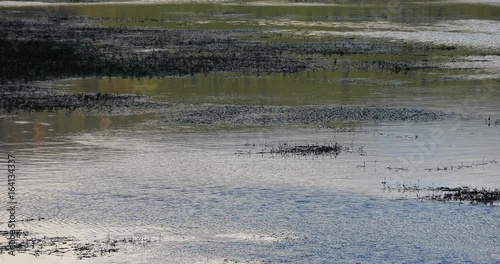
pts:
[420, 90]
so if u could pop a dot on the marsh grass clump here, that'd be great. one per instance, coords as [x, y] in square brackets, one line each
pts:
[285, 149]
[462, 166]
[103, 247]
[467, 194]
[402, 187]
[29, 243]
[327, 149]
[461, 194]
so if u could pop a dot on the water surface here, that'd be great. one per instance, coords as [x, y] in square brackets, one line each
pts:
[204, 195]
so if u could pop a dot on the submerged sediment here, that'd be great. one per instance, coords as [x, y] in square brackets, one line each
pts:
[64, 246]
[72, 46]
[29, 98]
[32, 98]
[285, 115]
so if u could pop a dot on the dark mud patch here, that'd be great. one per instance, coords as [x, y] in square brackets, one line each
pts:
[26, 60]
[30, 98]
[33, 98]
[69, 46]
[284, 115]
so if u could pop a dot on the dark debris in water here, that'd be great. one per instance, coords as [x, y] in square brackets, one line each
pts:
[284, 149]
[473, 195]
[462, 166]
[397, 169]
[30, 243]
[31, 98]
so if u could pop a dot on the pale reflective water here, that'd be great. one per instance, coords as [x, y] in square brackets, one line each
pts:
[206, 203]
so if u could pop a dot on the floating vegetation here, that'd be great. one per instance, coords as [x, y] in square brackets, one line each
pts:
[341, 129]
[77, 46]
[397, 169]
[272, 237]
[462, 194]
[237, 261]
[462, 166]
[401, 187]
[473, 195]
[103, 247]
[30, 243]
[284, 149]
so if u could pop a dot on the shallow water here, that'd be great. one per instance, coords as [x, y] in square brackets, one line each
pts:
[208, 203]
[450, 92]
[204, 195]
